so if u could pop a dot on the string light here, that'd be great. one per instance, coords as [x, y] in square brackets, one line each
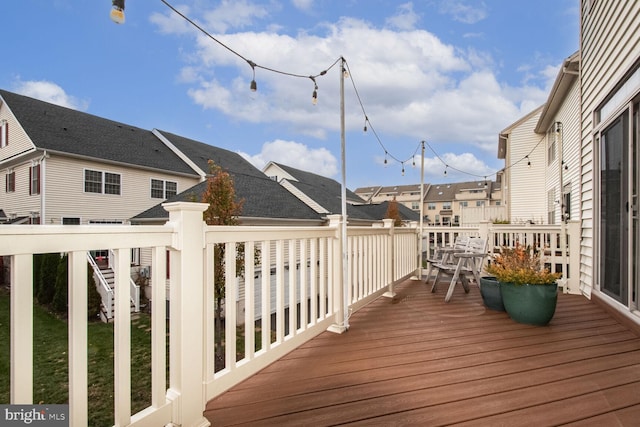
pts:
[254, 85]
[118, 5]
[314, 95]
[117, 11]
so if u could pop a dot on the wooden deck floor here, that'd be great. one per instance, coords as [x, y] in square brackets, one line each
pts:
[415, 360]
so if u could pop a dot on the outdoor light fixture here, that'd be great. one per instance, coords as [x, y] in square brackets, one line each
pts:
[117, 11]
[314, 95]
[528, 161]
[254, 85]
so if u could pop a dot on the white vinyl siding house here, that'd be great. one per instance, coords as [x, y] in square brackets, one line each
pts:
[65, 176]
[610, 92]
[525, 163]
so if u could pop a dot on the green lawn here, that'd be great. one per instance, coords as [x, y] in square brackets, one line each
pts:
[50, 376]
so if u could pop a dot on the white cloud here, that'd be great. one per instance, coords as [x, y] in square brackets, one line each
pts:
[49, 92]
[296, 155]
[304, 5]
[463, 12]
[405, 18]
[474, 168]
[412, 84]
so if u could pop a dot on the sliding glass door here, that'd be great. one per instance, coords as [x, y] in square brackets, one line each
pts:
[614, 209]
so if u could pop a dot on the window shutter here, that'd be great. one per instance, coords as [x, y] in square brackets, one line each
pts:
[38, 181]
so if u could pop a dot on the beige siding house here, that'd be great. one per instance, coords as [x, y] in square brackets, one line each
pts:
[61, 166]
[525, 155]
[583, 146]
[608, 150]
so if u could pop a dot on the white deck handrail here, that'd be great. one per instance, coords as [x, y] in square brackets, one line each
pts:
[288, 290]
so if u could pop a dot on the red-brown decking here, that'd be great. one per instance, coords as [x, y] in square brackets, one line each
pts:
[416, 360]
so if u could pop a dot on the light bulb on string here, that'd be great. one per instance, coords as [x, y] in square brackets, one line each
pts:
[254, 85]
[528, 161]
[413, 162]
[314, 95]
[445, 169]
[117, 11]
[366, 119]
[385, 158]
[402, 168]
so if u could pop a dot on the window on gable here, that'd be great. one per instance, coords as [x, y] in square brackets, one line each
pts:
[161, 189]
[101, 182]
[10, 182]
[34, 179]
[4, 133]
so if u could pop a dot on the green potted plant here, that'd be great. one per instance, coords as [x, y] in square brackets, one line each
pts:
[529, 290]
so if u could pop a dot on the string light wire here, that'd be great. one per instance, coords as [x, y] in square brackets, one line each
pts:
[348, 74]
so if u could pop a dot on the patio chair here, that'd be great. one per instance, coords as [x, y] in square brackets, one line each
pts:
[460, 264]
[442, 253]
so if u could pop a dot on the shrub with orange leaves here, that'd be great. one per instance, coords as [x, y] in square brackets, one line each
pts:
[521, 265]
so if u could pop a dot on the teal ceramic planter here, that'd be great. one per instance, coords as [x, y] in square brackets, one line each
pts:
[490, 291]
[530, 304]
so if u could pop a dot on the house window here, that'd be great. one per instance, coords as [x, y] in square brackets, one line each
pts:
[431, 206]
[464, 204]
[161, 189]
[70, 221]
[479, 203]
[34, 179]
[415, 206]
[4, 133]
[10, 182]
[446, 205]
[111, 183]
[101, 182]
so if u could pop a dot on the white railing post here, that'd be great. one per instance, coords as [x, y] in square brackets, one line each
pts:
[187, 306]
[21, 327]
[391, 258]
[338, 285]
[78, 377]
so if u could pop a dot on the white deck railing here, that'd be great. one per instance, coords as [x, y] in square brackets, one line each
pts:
[298, 294]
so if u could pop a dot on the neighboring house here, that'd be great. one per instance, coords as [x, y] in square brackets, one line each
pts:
[265, 201]
[608, 149]
[323, 195]
[461, 203]
[408, 195]
[523, 186]
[62, 166]
[583, 145]
[560, 123]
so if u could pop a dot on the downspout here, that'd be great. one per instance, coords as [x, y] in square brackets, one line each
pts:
[43, 187]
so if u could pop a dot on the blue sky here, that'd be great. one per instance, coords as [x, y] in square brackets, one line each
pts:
[451, 72]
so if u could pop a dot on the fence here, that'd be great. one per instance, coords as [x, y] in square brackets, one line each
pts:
[307, 266]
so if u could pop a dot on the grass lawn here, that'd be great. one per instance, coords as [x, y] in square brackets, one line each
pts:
[50, 376]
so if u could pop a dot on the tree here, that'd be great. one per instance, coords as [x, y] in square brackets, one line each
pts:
[223, 209]
[393, 213]
[46, 277]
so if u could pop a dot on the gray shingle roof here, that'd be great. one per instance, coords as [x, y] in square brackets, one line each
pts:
[200, 153]
[64, 130]
[264, 198]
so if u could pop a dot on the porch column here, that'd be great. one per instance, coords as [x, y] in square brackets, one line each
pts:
[338, 282]
[187, 314]
[391, 258]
